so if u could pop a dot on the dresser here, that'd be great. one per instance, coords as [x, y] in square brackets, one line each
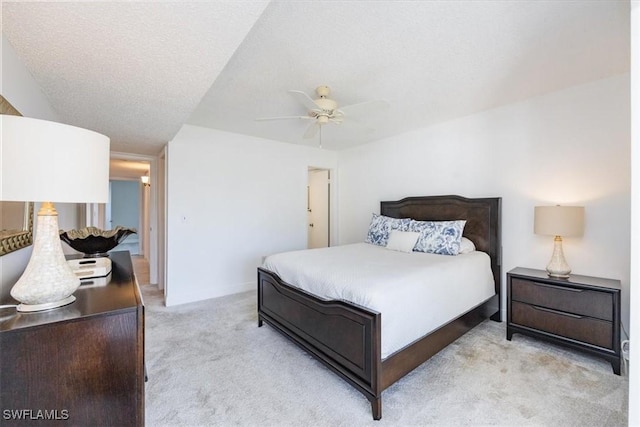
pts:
[580, 312]
[80, 365]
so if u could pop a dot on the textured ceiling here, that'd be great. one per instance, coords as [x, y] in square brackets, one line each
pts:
[133, 71]
[138, 71]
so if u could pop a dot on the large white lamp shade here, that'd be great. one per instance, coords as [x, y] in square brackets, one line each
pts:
[43, 161]
[559, 221]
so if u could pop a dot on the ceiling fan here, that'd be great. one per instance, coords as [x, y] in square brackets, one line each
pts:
[324, 110]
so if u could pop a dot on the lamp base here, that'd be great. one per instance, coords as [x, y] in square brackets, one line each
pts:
[48, 281]
[558, 266]
[30, 308]
[558, 276]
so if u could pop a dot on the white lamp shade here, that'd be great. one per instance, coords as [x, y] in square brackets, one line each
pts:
[565, 221]
[48, 161]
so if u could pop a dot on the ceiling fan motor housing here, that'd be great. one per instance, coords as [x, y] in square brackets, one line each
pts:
[326, 104]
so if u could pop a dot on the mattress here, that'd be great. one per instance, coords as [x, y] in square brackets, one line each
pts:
[415, 292]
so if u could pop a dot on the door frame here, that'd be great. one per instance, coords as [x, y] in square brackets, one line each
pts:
[152, 208]
[161, 217]
[333, 202]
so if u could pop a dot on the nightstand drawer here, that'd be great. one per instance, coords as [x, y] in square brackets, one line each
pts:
[586, 329]
[576, 301]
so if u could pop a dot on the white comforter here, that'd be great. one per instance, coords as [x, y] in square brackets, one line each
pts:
[415, 292]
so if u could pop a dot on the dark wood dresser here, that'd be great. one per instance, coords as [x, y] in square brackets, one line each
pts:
[78, 365]
[580, 312]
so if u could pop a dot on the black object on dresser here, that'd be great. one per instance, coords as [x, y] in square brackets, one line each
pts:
[580, 312]
[81, 364]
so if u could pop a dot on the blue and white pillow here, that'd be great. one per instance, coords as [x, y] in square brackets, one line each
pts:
[381, 226]
[438, 237]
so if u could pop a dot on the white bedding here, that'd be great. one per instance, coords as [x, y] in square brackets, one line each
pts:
[415, 292]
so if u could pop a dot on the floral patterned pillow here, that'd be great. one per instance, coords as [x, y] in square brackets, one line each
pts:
[381, 226]
[438, 237]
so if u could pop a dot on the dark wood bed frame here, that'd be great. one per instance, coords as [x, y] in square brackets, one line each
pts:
[346, 337]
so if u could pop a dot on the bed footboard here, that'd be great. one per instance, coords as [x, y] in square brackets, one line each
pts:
[345, 337]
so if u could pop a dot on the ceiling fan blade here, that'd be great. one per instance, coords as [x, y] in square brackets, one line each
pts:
[311, 130]
[354, 111]
[285, 118]
[304, 99]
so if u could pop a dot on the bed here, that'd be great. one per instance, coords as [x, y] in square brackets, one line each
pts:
[347, 337]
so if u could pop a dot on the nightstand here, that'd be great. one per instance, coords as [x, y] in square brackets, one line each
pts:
[580, 312]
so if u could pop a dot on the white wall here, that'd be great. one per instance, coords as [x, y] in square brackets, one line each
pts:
[634, 372]
[21, 90]
[125, 204]
[232, 199]
[568, 147]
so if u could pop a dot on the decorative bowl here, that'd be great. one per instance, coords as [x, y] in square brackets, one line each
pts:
[94, 242]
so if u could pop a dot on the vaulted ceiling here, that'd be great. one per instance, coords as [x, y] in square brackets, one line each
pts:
[138, 71]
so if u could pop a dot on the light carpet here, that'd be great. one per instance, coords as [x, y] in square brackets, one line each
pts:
[210, 365]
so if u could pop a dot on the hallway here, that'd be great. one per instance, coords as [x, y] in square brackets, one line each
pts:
[141, 269]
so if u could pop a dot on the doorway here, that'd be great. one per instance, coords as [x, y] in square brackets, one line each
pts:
[130, 167]
[124, 209]
[318, 208]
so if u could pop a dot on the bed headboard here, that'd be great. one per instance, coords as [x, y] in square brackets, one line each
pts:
[483, 220]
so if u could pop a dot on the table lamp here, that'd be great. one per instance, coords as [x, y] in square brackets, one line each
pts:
[559, 221]
[48, 162]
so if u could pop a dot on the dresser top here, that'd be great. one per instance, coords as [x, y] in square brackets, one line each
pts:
[574, 279]
[120, 293]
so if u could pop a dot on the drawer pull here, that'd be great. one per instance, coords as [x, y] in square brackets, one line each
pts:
[561, 313]
[562, 288]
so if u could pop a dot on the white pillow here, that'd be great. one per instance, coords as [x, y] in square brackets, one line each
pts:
[402, 241]
[466, 246]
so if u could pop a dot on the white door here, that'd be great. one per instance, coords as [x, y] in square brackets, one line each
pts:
[318, 208]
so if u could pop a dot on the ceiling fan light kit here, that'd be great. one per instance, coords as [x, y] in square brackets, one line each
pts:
[323, 119]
